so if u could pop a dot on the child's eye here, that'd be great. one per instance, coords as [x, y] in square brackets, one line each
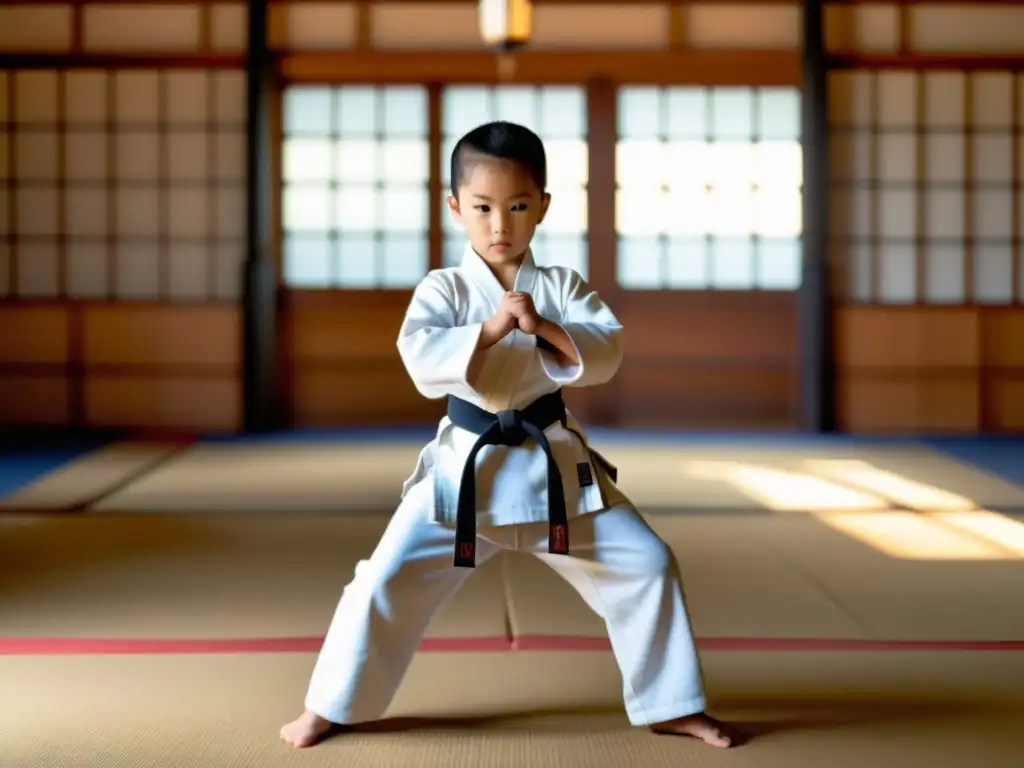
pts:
[483, 208]
[519, 207]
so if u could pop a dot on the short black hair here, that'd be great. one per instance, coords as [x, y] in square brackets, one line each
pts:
[503, 140]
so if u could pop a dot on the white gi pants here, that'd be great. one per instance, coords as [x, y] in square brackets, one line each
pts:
[619, 566]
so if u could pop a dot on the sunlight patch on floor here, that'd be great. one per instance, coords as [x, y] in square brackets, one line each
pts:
[985, 524]
[857, 499]
[784, 491]
[914, 536]
[890, 485]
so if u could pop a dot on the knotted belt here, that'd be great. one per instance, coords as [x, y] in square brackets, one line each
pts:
[509, 428]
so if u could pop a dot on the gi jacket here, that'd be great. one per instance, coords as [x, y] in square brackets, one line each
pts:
[436, 342]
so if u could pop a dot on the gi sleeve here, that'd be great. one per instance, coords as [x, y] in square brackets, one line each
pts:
[595, 333]
[437, 353]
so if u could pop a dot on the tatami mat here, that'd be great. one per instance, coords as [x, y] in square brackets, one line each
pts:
[899, 598]
[347, 477]
[207, 577]
[736, 584]
[257, 575]
[793, 576]
[507, 710]
[290, 477]
[88, 478]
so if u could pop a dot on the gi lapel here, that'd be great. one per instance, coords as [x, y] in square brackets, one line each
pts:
[527, 275]
[482, 277]
[478, 271]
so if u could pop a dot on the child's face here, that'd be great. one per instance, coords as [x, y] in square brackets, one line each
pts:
[499, 206]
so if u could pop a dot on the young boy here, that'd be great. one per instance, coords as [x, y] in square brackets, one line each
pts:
[499, 337]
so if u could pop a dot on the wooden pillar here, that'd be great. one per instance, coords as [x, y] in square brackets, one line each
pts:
[816, 388]
[259, 296]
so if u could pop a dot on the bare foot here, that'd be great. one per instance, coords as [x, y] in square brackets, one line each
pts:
[306, 731]
[702, 727]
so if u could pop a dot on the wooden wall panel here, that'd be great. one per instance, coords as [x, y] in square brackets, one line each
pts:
[713, 359]
[341, 361]
[659, 395]
[967, 27]
[207, 403]
[1004, 404]
[33, 335]
[447, 25]
[313, 26]
[713, 326]
[172, 367]
[1002, 343]
[634, 25]
[930, 369]
[1003, 337]
[163, 336]
[873, 28]
[229, 27]
[744, 26]
[127, 365]
[35, 28]
[34, 399]
[370, 396]
[455, 26]
[913, 403]
[883, 338]
[150, 27]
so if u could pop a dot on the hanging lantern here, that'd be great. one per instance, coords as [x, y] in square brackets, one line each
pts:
[505, 24]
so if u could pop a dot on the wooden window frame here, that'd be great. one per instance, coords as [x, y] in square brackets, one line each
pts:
[601, 72]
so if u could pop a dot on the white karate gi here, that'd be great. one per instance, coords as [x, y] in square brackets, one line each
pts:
[619, 566]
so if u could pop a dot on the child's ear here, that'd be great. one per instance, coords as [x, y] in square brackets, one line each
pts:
[453, 206]
[545, 201]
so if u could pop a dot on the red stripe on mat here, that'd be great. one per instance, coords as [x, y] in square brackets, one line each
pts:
[43, 646]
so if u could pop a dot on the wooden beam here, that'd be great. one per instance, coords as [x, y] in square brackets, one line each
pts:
[706, 68]
[919, 61]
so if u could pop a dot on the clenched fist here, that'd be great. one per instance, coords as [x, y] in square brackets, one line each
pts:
[521, 305]
[515, 311]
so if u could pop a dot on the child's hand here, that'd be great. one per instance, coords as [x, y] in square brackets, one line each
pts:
[526, 313]
[507, 316]
[502, 323]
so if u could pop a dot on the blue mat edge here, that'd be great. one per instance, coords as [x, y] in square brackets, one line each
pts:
[29, 455]
[1001, 456]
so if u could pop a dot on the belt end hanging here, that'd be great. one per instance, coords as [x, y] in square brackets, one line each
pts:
[465, 554]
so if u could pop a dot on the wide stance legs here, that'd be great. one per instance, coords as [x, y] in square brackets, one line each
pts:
[619, 566]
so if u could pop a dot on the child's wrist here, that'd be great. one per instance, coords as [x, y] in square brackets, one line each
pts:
[491, 333]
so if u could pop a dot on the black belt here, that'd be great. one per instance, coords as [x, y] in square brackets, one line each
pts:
[509, 428]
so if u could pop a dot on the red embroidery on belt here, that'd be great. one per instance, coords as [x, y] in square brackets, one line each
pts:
[558, 536]
[466, 550]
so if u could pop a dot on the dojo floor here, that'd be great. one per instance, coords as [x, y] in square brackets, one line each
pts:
[858, 603]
